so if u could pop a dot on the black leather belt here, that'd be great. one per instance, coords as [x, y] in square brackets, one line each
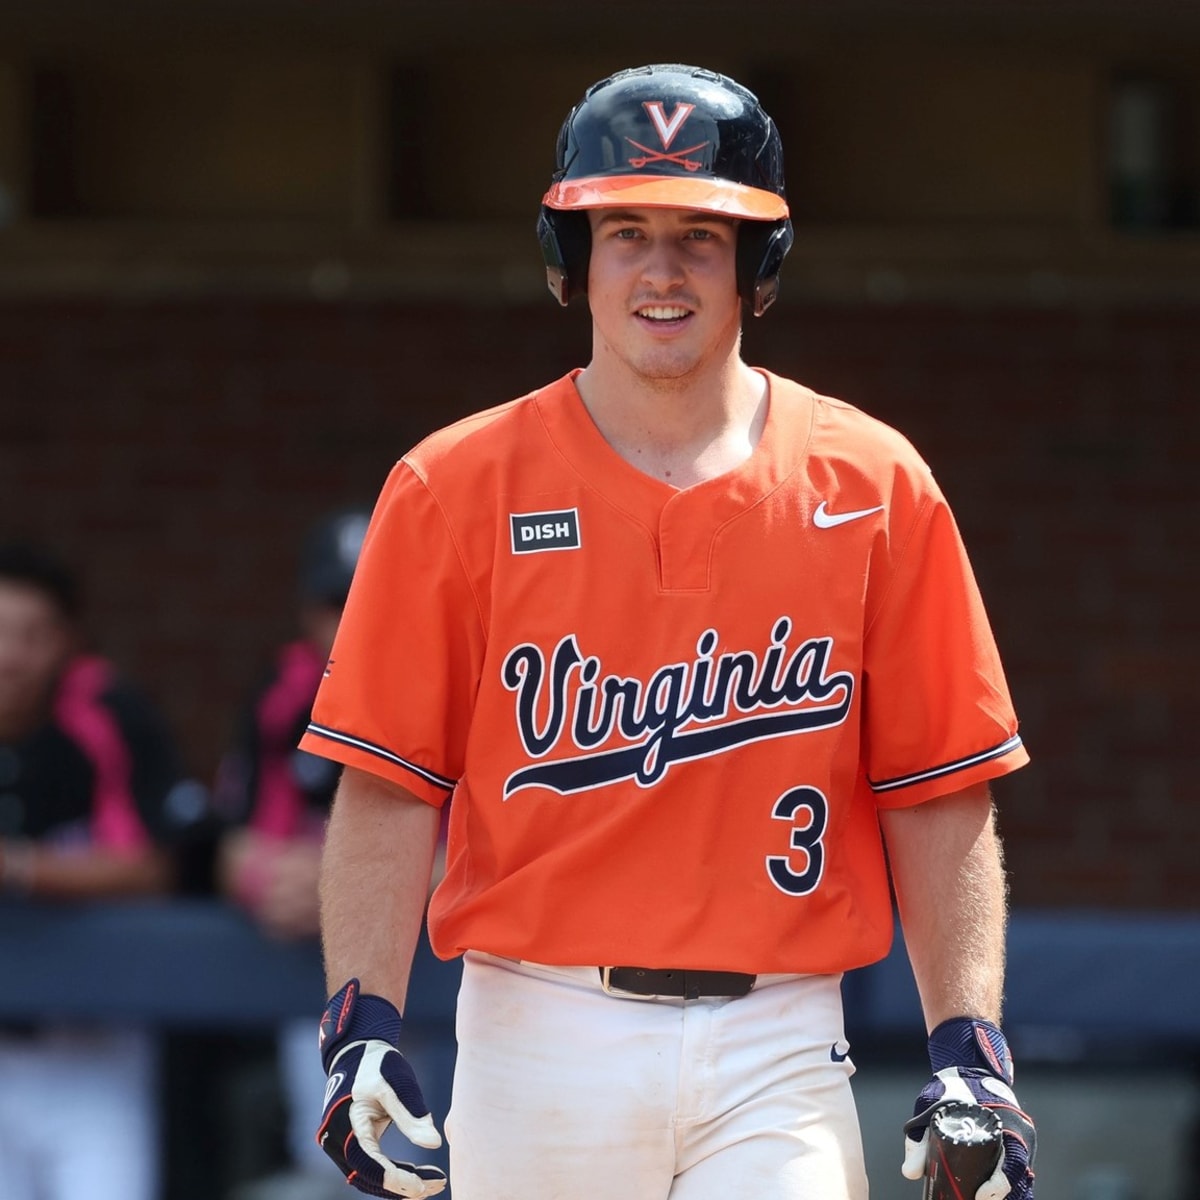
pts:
[669, 981]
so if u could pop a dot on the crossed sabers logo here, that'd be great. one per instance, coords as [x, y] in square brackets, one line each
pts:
[667, 131]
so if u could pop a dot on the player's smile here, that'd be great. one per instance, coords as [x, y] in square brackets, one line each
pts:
[663, 316]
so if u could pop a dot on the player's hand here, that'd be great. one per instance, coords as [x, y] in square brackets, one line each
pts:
[971, 1062]
[371, 1086]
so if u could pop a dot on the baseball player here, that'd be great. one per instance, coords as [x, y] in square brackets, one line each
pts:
[690, 646]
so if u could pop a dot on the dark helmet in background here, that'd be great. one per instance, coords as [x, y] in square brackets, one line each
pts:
[329, 556]
[668, 136]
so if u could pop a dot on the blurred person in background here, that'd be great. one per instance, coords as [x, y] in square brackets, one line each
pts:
[88, 771]
[274, 799]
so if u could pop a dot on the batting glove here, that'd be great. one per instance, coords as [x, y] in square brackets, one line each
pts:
[370, 1086]
[971, 1062]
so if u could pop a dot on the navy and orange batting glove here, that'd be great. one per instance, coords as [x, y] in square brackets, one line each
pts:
[971, 1063]
[370, 1087]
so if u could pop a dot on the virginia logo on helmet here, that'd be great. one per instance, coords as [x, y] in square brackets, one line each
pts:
[666, 131]
[607, 157]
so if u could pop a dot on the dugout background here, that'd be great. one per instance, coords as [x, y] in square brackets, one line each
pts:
[250, 252]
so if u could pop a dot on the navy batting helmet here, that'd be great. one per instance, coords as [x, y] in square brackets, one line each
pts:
[668, 136]
[330, 555]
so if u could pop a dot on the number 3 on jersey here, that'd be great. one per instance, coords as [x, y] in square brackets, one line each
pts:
[808, 812]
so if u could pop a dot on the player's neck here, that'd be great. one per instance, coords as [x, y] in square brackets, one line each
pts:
[680, 431]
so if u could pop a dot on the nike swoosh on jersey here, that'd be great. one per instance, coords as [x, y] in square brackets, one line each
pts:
[828, 520]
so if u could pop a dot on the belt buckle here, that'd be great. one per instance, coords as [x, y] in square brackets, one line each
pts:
[620, 993]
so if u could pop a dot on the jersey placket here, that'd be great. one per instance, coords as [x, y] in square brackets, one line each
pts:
[685, 545]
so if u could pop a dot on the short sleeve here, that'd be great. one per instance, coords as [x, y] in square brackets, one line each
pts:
[937, 711]
[399, 689]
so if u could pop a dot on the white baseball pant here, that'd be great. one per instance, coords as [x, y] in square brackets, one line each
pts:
[562, 1090]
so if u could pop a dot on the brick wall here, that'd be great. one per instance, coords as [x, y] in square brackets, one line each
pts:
[177, 450]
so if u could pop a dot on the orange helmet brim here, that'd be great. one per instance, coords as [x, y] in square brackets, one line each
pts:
[718, 196]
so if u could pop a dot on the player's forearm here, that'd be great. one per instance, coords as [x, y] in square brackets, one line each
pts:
[948, 872]
[375, 871]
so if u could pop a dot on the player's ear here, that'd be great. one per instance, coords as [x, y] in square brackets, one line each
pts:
[566, 241]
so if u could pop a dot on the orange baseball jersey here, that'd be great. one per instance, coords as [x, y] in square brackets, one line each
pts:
[667, 718]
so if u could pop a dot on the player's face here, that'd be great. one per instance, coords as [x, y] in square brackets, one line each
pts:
[662, 288]
[34, 644]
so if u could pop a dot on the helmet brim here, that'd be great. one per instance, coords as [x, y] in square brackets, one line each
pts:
[720, 196]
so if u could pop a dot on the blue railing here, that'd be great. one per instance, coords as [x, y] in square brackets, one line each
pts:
[1072, 977]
